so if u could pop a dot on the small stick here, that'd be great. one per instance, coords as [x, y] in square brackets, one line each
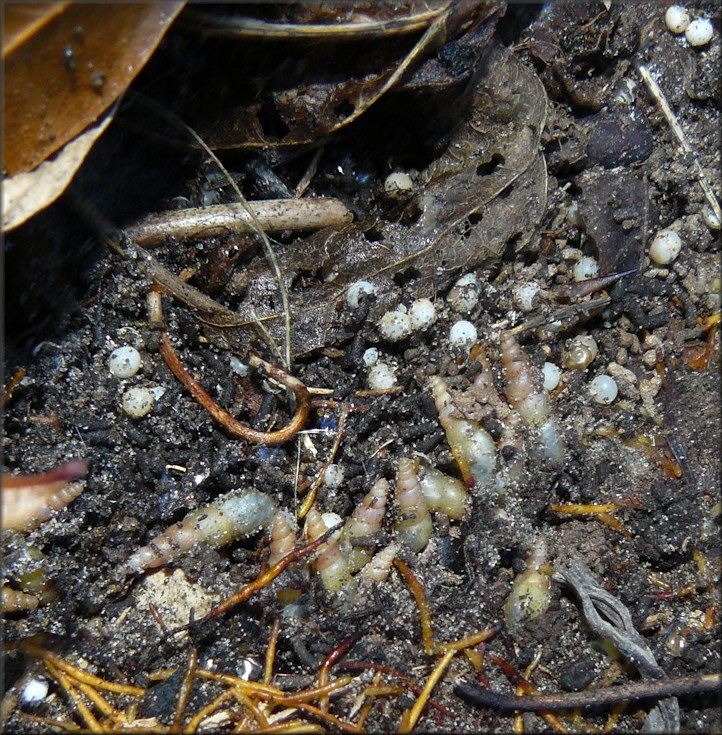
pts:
[427, 634]
[274, 215]
[415, 712]
[656, 92]
[271, 650]
[338, 653]
[659, 689]
[311, 494]
[184, 690]
[222, 416]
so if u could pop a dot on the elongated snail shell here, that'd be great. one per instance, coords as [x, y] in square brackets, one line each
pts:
[228, 518]
[413, 529]
[366, 519]
[330, 562]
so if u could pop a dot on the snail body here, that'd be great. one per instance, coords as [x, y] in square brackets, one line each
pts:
[531, 591]
[228, 518]
[443, 493]
[14, 601]
[378, 569]
[283, 538]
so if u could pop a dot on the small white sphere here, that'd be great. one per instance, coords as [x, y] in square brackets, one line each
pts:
[464, 295]
[398, 183]
[333, 476]
[462, 334]
[422, 314]
[370, 357]
[381, 377]
[353, 295]
[552, 375]
[603, 389]
[137, 402]
[585, 268]
[34, 691]
[124, 362]
[525, 295]
[676, 18]
[395, 325]
[665, 247]
[332, 519]
[699, 32]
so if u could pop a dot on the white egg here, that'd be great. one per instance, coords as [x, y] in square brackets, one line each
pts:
[585, 268]
[676, 18]
[422, 314]
[464, 295]
[137, 402]
[525, 295]
[353, 295]
[124, 362]
[370, 357]
[699, 32]
[603, 389]
[381, 377]
[395, 325]
[552, 375]
[665, 247]
[398, 183]
[462, 334]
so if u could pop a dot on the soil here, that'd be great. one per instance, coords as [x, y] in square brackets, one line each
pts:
[616, 175]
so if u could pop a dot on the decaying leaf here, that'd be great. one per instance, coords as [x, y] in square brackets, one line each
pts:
[487, 192]
[64, 65]
[301, 92]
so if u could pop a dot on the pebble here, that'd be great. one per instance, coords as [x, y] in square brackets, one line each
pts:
[603, 389]
[333, 477]
[124, 362]
[676, 18]
[666, 246]
[699, 32]
[370, 357]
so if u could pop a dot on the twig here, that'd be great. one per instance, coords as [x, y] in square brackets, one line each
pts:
[659, 689]
[273, 215]
[222, 416]
[656, 92]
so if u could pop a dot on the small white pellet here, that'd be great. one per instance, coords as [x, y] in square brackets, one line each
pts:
[464, 295]
[585, 268]
[699, 32]
[370, 357]
[34, 691]
[124, 362]
[676, 18]
[332, 519]
[395, 325]
[574, 216]
[422, 314]
[381, 377]
[603, 389]
[353, 295]
[462, 334]
[137, 402]
[552, 375]
[525, 295]
[398, 183]
[665, 247]
[238, 367]
[333, 476]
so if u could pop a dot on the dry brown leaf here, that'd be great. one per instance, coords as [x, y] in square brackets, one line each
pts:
[64, 65]
[25, 194]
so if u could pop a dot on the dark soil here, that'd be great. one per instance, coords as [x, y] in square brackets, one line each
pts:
[70, 301]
